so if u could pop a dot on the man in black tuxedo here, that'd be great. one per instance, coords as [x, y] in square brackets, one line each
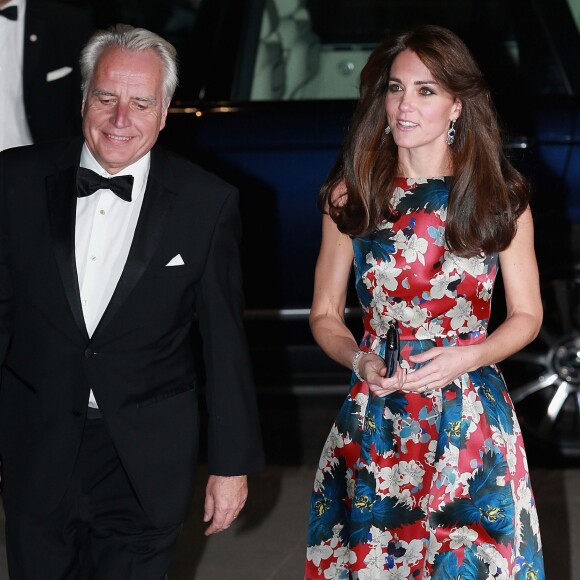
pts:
[109, 250]
[40, 95]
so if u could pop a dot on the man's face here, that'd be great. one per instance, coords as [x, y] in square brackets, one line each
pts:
[124, 110]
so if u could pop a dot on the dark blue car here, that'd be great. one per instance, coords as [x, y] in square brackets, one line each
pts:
[267, 90]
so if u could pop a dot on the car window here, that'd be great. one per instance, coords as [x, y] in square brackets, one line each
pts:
[315, 49]
[289, 50]
[173, 19]
[575, 9]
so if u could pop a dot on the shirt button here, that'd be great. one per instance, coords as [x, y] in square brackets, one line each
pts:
[93, 258]
[102, 212]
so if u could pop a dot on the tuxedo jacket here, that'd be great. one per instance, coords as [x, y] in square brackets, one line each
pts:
[139, 361]
[54, 35]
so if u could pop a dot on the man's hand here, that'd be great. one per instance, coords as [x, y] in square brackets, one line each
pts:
[224, 499]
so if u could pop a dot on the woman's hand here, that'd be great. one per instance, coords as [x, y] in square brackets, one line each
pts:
[373, 369]
[442, 366]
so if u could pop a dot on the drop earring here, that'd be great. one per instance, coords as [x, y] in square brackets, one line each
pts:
[387, 130]
[451, 133]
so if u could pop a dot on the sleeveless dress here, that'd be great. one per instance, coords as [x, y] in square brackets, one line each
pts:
[425, 486]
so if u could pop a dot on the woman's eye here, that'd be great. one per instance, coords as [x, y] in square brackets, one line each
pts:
[394, 88]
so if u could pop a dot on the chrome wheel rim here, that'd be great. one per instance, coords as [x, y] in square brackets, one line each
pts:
[545, 386]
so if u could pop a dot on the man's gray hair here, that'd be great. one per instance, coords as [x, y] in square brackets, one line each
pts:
[129, 38]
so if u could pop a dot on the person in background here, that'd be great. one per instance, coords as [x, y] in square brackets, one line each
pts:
[40, 45]
[424, 473]
[110, 249]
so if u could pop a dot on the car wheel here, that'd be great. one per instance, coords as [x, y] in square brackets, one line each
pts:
[545, 376]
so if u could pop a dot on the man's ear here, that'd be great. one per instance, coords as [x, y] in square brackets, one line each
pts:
[163, 117]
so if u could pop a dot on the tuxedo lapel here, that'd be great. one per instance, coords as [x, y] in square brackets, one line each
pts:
[156, 207]
[157, 204]
[61, 188]
[34, 40]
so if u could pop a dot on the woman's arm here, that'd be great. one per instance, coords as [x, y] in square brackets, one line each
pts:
[327, 312]
[524, 317]
[331, 280]
[522, 295]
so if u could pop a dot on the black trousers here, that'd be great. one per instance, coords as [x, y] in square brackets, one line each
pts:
[99, 530]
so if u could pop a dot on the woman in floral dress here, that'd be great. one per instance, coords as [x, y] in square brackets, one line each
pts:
[424, 473]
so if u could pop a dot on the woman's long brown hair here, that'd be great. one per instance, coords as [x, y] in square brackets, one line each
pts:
[487, 193]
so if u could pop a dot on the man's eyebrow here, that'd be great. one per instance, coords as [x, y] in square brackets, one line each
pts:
[102, 93]
[151, 100]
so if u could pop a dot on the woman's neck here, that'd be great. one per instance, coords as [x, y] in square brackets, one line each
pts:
[420, 162]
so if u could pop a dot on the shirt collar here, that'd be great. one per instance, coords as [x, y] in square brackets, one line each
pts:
[19, 22]
[21, 4]
[139, 170]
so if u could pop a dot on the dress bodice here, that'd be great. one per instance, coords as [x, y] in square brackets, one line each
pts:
[404, 271]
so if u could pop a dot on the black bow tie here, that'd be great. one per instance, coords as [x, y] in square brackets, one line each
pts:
[88, 182]
[11, 12]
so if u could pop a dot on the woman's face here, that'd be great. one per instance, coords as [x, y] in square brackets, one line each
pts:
[419, 110]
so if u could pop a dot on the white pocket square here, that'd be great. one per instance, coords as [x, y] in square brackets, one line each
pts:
[54, 75]
[177, 261]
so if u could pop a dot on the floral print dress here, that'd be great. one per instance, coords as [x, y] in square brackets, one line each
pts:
[426, 486]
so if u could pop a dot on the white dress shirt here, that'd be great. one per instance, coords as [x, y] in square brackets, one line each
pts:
[105, 225]
[14, 129]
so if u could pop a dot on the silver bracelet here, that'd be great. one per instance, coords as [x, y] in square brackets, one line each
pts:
[355, 360]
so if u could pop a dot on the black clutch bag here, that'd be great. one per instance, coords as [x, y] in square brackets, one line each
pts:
[392, 348]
